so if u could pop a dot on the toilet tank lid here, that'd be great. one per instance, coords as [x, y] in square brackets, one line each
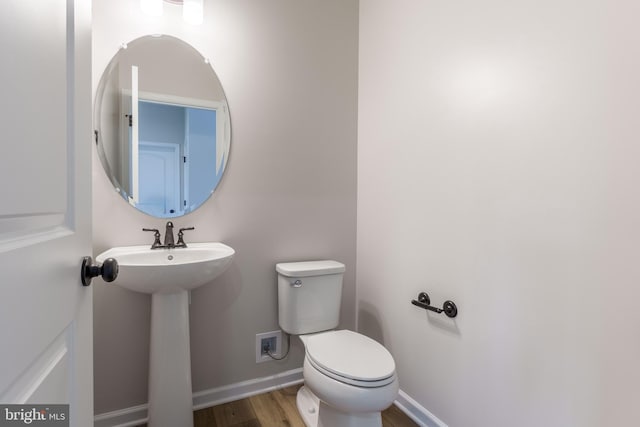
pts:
[309, 268]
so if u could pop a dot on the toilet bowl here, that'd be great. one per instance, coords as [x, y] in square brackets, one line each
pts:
[349, 377]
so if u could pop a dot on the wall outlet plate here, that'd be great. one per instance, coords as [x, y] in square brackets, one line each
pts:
[270, 338]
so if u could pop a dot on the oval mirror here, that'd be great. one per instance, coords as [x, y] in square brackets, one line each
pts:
[162, 123]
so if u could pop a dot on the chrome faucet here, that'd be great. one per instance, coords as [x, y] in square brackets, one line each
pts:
[169, 241]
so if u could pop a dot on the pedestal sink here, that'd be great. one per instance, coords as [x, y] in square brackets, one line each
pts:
[168, 275]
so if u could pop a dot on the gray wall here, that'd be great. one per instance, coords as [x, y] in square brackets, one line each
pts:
[289, 69]
[498, 166]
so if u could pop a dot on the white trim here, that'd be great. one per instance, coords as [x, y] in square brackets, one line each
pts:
[180, 101]
[419, 414]
[185, 164]
[135, 120]
[128, 417]
[241, 390]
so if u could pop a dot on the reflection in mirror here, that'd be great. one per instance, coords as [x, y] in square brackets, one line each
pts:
[162, 126]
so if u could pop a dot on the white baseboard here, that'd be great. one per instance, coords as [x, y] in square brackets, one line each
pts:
[137, 415]
[417, 412]
[241, 390]
[128, 417]
[203, 399]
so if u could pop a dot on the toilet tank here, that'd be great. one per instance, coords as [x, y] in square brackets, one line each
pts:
[309, 296]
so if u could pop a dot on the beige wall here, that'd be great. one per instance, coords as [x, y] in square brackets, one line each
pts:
[498, 167]
[289, 69]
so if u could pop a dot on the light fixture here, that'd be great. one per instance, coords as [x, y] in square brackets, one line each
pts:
[192, 10]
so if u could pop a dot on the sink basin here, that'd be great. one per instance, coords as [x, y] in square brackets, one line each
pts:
[165, 271]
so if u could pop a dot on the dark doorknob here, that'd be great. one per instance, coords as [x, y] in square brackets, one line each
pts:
[108, 270]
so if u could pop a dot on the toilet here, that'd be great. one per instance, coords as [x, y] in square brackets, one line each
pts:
[349, 378]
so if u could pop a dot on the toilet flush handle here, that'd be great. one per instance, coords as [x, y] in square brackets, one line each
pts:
[297, 283]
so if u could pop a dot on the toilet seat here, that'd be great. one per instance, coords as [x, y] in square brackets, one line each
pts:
[351, 358]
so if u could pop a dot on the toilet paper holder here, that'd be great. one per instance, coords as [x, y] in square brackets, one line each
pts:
[449, 307]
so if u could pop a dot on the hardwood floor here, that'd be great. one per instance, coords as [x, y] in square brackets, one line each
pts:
[274, 409]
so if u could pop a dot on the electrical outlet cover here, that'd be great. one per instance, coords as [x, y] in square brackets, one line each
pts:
[260, 357]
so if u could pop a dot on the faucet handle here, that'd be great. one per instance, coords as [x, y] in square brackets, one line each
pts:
[156, 237]
[181, 231]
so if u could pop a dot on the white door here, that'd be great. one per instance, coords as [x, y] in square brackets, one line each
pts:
[45, 205]
[159, 179]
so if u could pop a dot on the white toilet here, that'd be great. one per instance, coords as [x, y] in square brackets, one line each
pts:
[349, 378]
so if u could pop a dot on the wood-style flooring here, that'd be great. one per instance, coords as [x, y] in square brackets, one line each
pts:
[274, 409]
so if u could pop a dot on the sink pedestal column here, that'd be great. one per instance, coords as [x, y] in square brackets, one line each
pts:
[170, 394]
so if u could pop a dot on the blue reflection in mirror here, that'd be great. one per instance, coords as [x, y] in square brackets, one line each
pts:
[176, 147]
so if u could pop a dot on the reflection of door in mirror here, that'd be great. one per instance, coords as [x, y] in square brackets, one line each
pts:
[177, 144]
[159, 184]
